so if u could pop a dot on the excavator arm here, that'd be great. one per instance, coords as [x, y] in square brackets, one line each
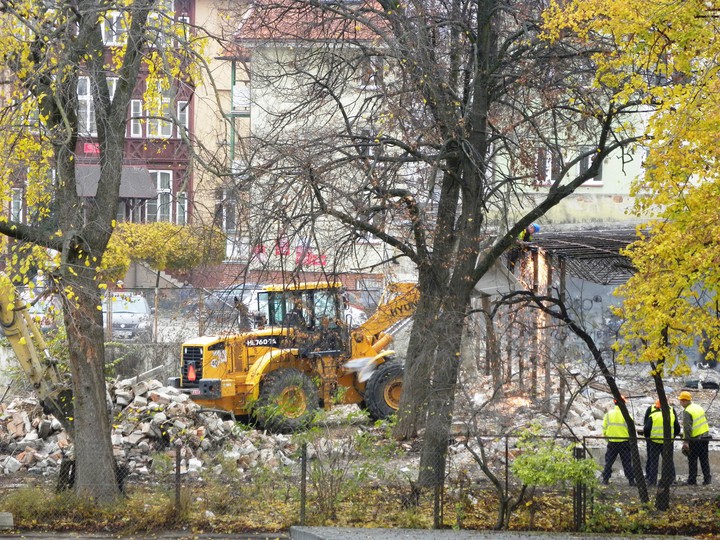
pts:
[32, 353]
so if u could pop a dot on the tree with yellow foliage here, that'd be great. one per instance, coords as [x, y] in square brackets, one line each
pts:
[665, 54]
[163, 246]
[46, 48]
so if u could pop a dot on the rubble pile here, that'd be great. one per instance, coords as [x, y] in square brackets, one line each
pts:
[151, 421]
[148, 418]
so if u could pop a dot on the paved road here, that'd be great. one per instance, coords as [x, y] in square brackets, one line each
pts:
[331, 533]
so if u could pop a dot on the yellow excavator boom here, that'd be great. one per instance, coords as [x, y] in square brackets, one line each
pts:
[32, 353]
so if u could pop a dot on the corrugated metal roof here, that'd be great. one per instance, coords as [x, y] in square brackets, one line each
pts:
[592, 255]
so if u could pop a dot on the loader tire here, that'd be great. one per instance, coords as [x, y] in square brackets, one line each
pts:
[287, 402]
[383, 390]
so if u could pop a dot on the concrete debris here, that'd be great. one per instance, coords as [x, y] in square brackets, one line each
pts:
[150, 421]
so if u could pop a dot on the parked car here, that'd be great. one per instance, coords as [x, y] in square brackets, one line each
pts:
[131, 316]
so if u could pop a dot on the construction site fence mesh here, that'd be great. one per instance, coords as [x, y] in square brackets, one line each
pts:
[485, 482]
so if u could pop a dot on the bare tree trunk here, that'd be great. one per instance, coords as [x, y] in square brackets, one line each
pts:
[492, 347]
[94, 459]
[442, 401]
[418, 369]
[667, 475]
[509, 350]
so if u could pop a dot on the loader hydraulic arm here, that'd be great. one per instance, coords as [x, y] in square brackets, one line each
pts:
[396, 306]
[32, 353]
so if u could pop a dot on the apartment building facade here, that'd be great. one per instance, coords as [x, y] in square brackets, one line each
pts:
[157, 179]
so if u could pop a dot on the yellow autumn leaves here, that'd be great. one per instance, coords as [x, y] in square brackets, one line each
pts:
[663, 55]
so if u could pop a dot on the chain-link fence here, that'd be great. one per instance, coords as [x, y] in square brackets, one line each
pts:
[198, 470]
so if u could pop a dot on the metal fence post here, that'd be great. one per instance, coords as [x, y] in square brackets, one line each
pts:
[303, 482]
[177, 477]
[579, 496]
[438, 489]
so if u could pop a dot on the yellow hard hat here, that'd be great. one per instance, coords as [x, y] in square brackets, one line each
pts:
[685, 395]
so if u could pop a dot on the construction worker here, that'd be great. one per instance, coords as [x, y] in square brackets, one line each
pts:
[655, 434]
[696, 435]
[525, 237]
[616, 431]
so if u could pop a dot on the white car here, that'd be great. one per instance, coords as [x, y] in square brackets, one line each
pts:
[131, 316]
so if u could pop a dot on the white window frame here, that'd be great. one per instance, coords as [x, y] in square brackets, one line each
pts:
[155, 22]
[241, 97]
[181, 208]
[112, 86]
[160, 208]
[183, 117]
[584, 165]
[86, 108]
[136, 121]
[184, 22]
[226, 209]
[114, 29]
[86, 104]
[548, 167]
[158, 128]
[17, 210]
[121, 213]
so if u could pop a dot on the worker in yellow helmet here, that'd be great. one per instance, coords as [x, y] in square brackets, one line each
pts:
[654, 432]
[615, 430]
[696, 433]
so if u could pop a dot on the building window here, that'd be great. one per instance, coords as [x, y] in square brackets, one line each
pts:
[16, 204]
[585, 164]
[182, 208]
[241, 98]
[86, 104]
[112, 86]
[136, 112]
[157, 127]
[225, 209]
[548, 167]
[182, 118]
[159, 22]
[183, 32]
[114, 29]
[121, 213]
[160, 209]
[86, 109]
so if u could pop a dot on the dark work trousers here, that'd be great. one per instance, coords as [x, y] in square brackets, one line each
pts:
[654, 451]
[614, 449]
[698, 452]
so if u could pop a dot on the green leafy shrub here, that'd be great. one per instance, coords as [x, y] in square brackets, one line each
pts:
[547, 462]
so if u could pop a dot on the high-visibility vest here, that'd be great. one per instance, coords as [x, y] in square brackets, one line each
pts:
[614, 426]
[699, 422]
[657, 433]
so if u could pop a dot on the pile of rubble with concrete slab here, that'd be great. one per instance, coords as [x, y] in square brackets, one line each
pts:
[148, 419]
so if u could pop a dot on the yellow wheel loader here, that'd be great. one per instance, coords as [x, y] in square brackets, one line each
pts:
[301, 356]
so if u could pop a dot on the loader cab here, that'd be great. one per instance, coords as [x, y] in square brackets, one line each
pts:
[307, 308]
